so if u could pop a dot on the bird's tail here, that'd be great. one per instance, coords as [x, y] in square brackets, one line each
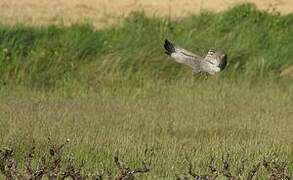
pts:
[169, 47]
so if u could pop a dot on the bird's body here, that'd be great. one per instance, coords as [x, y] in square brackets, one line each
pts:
[215, 60]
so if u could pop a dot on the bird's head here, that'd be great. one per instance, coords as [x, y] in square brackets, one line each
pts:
[223, 61]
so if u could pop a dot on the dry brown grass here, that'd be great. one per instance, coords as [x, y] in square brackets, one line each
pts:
[54, 166]
[275, 170]
[101, 12]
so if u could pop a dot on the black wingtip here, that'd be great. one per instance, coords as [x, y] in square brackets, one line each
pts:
[169, 47]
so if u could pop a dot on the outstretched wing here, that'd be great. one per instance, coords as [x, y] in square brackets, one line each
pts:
[183, 56]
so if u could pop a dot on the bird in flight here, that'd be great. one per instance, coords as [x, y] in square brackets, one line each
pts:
[215, 60]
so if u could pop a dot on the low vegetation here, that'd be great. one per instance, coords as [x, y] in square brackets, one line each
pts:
[53, 167]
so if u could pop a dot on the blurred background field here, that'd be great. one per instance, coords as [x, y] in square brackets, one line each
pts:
[102, 13]
[110, 88]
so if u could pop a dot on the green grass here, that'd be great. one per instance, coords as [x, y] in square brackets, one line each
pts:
[198, 120]
[258, 44]
[114, 89]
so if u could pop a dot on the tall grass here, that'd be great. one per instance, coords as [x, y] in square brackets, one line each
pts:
[258, 44]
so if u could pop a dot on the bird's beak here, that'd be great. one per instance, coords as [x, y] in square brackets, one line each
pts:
[224, 56]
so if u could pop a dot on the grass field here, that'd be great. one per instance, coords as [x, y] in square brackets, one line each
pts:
[113, 89]
[103, 13]
[199, 120]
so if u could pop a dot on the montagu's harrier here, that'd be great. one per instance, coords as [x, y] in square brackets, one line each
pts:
[215, 60]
